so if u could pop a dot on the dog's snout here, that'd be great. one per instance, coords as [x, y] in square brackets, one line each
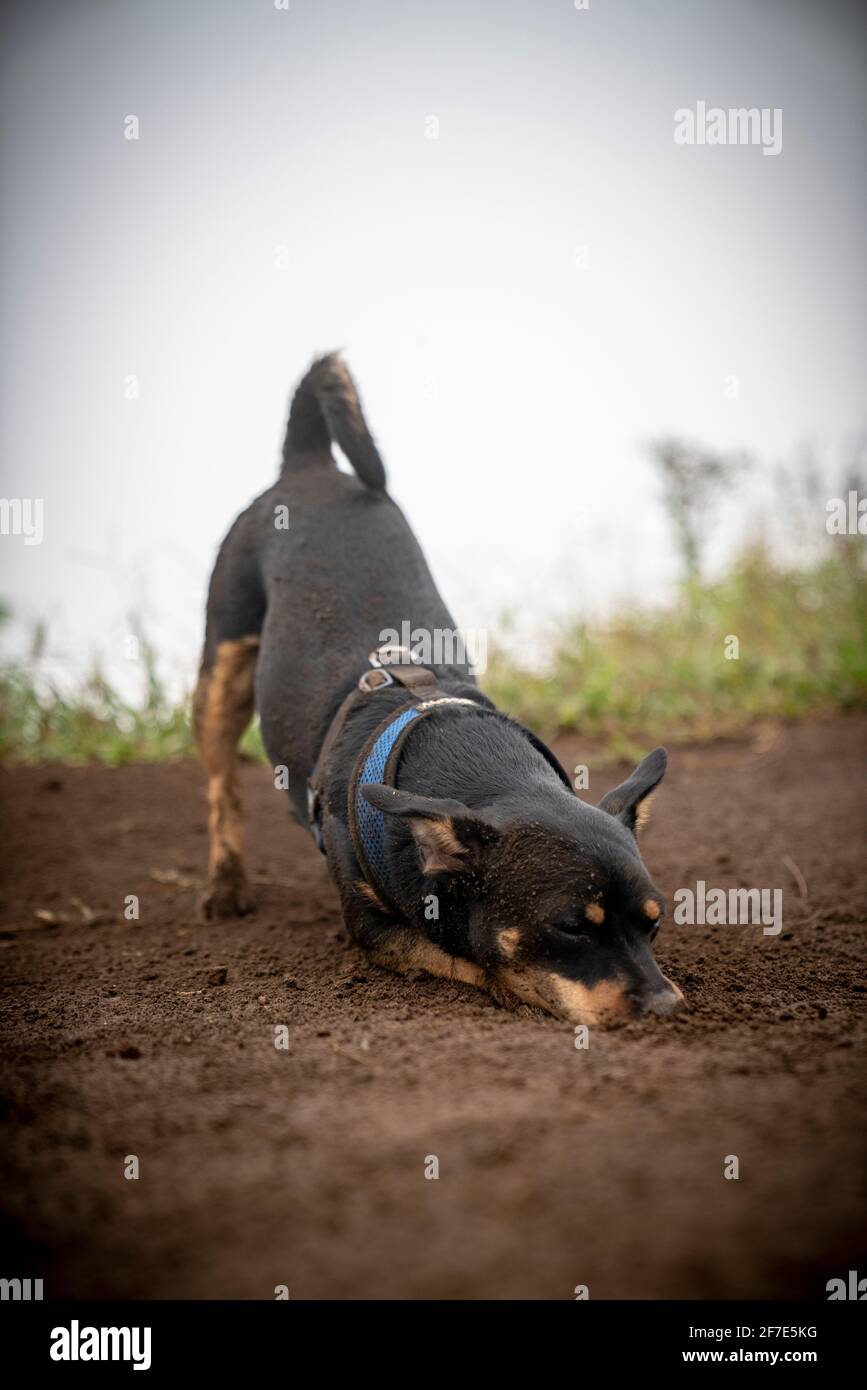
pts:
[657, 994]
[663, 1002]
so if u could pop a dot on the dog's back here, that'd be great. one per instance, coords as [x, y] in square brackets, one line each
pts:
[308, 579]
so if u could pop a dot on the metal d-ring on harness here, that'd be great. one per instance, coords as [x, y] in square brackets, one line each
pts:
[389, 665]
[377, 762]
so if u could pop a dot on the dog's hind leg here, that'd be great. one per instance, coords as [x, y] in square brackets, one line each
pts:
[222, 709]
[223, 706]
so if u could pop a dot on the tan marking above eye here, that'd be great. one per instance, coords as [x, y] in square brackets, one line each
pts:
[594, 912]
[652, 909]
[508, 940]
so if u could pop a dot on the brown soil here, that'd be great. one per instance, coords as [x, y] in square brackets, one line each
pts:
[305, 1166]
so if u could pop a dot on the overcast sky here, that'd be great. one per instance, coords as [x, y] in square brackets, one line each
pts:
[523, 300]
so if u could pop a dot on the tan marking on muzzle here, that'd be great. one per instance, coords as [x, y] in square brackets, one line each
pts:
[565, 998]
[652, 909]
[595, 912]
[602, 1003]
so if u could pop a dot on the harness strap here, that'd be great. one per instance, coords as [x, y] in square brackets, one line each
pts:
[379, 757]
[377, 764]
[384, 671]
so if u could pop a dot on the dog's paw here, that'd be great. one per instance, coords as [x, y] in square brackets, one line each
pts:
[221, 901]
[227, 894]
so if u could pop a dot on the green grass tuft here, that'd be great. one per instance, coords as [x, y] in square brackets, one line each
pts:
[663, 674]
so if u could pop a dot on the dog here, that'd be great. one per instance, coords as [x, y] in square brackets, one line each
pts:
[455, 839]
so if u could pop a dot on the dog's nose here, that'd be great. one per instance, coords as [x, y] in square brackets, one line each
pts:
[663, 1002]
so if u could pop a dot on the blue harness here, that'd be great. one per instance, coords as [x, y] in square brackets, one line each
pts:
[369, 820]
[377, 763]
[367, 823]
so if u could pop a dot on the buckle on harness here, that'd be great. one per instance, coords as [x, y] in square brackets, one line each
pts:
[375, 680]
[389, 654]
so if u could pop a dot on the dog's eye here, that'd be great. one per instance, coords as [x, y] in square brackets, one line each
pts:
[569, 926]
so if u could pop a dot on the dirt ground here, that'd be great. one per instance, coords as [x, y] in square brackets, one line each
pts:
[305, 1166]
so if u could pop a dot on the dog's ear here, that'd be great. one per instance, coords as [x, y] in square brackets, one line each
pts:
[445, 831]
[630, 802]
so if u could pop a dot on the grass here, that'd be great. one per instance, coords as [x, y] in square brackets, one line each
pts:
[664, 674]
[655, 674]
[39, 723]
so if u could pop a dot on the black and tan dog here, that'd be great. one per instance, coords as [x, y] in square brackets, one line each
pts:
[454, 837]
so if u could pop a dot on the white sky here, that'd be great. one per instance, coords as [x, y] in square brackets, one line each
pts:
[510, 390]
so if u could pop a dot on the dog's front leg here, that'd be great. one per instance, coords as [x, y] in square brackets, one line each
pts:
[388, 940]
[391, 943]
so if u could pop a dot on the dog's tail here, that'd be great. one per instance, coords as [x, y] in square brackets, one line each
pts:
[326, 409]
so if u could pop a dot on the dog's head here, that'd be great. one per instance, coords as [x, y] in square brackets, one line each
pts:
[552, 897]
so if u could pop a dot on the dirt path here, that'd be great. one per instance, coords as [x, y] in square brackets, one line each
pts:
[305, 1166]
